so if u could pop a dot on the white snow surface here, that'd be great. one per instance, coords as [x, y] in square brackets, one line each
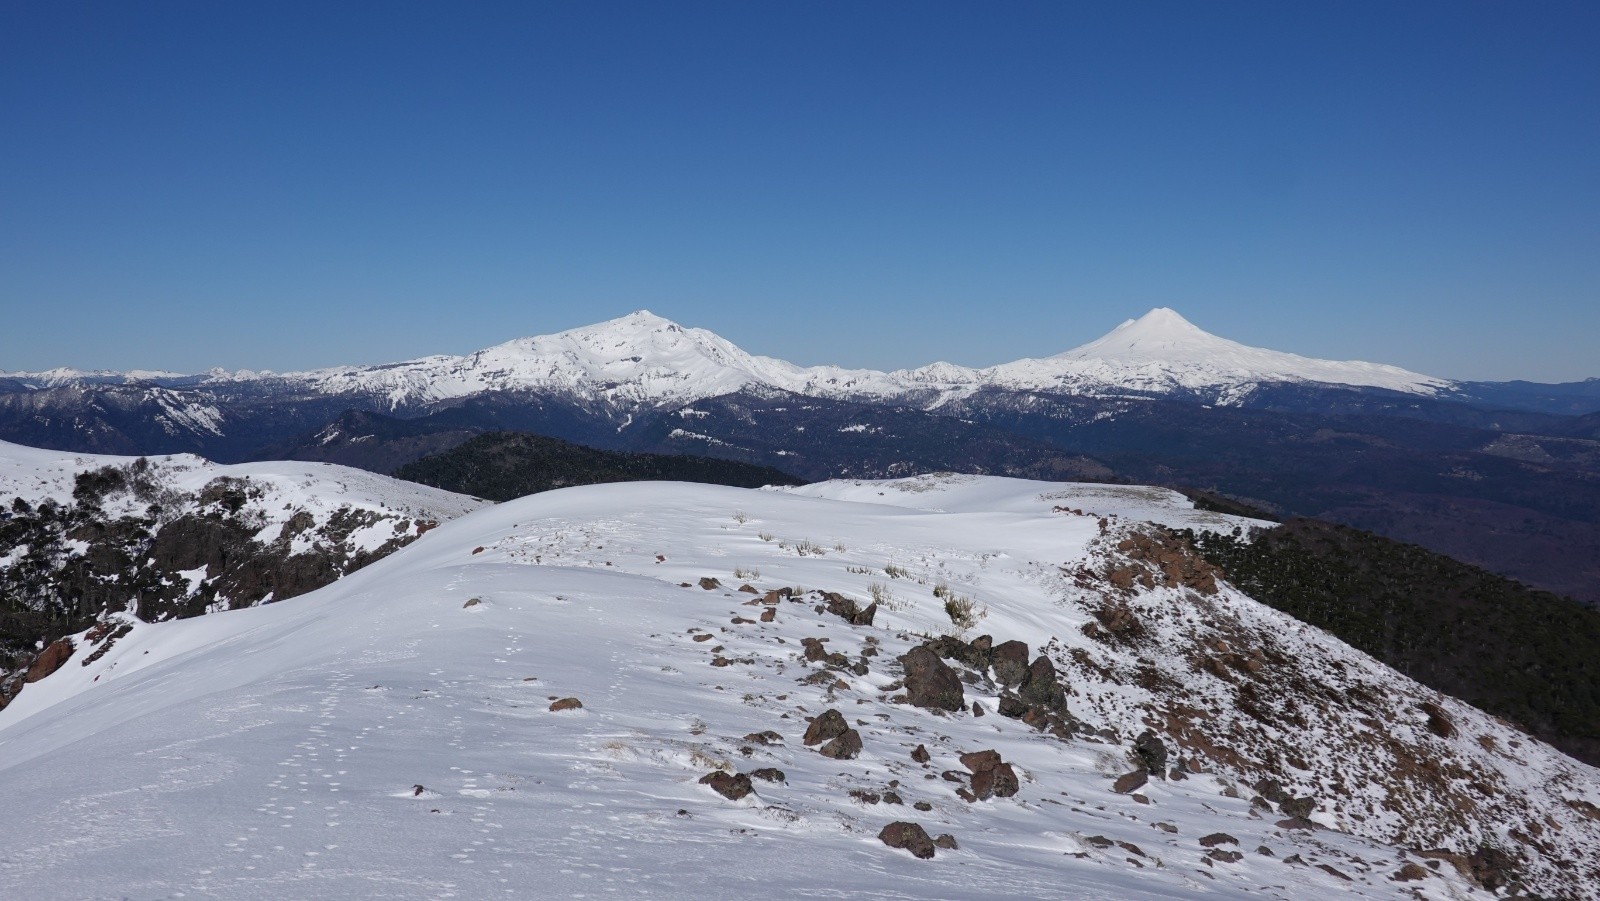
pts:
[35, 474]
[644, 360]
[388, 736]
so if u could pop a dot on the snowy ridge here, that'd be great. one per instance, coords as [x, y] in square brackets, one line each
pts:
[392, 734]
[644, 360]
[34, 475]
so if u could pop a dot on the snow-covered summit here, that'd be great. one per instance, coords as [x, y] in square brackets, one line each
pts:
[1163, 352]
[642, 359]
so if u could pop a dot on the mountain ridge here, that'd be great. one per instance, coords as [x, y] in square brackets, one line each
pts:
[642, 358]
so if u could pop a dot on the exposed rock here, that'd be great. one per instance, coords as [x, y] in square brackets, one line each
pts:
[1332, 871]
[747, 588]
[1128, 782]
[827, 725]
[565, 704]
[709, 584]
[1491, 867]
[1151, 751]
[930, 682]
[1298, 808]
[864, 796]
[1012, 706]
[1295, 823]
[920, 754]
[845, 747]
[1409, 872]
[50, 659]
[769, 614]
[923, 806]
[731, 787]
[1439, 722]
[1041, 686]
[908, 836]
[978, 761]
[977, 709]
[947, 842]
[1272, 790]
[1218, 838]
[999, 781]
[768, 737]
[848, 609]
[768, 774]
[1010, 662]
[1224, 856]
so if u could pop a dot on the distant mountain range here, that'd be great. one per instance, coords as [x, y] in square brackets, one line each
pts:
[1503, 475]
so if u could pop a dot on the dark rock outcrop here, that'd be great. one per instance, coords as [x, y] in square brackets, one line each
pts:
[930, 682]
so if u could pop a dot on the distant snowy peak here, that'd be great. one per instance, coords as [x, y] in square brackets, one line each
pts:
[642, 359]
[1161, 352]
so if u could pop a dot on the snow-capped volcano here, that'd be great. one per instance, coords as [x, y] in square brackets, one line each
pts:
[640, 358]
[1162, 352]
[644, 360]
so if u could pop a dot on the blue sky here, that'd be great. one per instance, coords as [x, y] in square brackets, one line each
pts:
[282, 185]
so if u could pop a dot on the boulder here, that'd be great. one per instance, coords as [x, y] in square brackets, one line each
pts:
[1218, 838]
[909, 837]
[978, 761]
[731, 787]
[709, 584]
[1000, 781]
[565, 704]
[1151, 751]
[1010, 662]
[768, 774]
[845, 747]
[1128, 782]
[1041, 687]
[920, 754]
[1298, 808]
[930, 682]
[828, 725]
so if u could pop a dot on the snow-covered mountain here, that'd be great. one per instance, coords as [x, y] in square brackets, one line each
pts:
[1163, 353]
[644, 360]
[406, 732]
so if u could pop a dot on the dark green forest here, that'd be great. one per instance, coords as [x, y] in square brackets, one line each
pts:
[1528, 656]
[500, 466]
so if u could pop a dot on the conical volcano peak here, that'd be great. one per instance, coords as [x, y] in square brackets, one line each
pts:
[1159, 335]
[1162, 321]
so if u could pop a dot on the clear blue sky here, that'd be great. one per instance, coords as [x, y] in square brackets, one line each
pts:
[285, 185]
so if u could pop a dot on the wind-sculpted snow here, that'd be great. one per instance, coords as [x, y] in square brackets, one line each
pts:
[392, 735]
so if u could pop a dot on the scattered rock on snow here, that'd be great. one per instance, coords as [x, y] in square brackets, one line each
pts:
[565, 704]
[908, 836]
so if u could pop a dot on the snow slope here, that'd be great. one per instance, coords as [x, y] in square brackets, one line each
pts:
[389, 735]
